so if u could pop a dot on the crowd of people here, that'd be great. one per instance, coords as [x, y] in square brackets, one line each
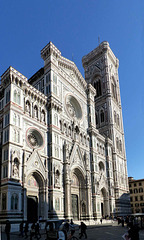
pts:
[68, 229]
[132, 226]
[24, 229]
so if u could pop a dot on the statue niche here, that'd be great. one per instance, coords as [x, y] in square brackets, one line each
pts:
[16, 168]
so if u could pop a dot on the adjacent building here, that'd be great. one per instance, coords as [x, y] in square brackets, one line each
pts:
[62, 148]
[136, 188]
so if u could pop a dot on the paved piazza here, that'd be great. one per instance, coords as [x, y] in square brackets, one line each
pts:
[94, 233]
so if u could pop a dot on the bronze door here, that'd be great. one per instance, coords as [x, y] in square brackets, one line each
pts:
[74, 206]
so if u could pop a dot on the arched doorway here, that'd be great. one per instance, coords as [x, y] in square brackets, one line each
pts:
[78, 195]
[103, 202]
[35, 197]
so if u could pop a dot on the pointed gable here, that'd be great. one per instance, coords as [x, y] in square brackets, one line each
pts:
[35, 162]
[76, 158]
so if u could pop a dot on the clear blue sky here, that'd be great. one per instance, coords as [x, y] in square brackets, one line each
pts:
[26, 26]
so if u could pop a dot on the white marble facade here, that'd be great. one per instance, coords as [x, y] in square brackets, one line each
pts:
[62, 140]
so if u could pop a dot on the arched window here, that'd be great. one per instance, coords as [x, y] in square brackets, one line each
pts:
[57, 204]
[65, 128]
[135, 190]
[120, 145]
[17, 97]
[18, 120]
[14, 119]
[7, 96]
[118, 122]
[69, 129]
[55, 119]
[115, 120]
[97, 120]
[117, 143]
[114, 90]
[4, 201]
[97, 86]
[14, 202]
[101, 166]
[14, 135]
[60, 125]
[102, 116]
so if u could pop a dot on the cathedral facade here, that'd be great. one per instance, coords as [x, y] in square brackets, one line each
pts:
[62, 150]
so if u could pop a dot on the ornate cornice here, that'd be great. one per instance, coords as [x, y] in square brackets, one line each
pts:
[49, 49]
[11, 75]
[66, 63]
[54, 103]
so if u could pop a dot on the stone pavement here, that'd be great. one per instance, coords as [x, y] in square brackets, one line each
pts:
[97, 232]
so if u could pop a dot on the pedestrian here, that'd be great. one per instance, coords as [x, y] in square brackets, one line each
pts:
[37, 231]
[66, 228]
[26, 229]
[119, 220]
[127, 220]
[7, 229]
[101, 220]
[72, 227]
[133, 232]
[71, 222]
[32, 231]
[122, 221]
[52, 234]
[21, 229]
[83, 228]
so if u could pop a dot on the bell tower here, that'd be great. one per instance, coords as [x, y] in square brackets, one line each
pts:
[101, 70]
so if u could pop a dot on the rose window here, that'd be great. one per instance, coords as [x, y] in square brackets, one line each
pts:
[73, 107]
[34, 138]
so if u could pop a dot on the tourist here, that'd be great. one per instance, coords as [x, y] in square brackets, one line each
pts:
[37, 231]
[133, 232]
[122, 221]
[83, 228]
[72, 228]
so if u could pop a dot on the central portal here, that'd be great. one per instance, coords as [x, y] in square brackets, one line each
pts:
[74, 198]
[35, 197]
[32, 208]
[78, 195]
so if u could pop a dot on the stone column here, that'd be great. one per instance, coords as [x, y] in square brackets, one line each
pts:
[46, 202]
[25, 204]
[89, 199]
[67, 183]
[107, 207]
[88, 187]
